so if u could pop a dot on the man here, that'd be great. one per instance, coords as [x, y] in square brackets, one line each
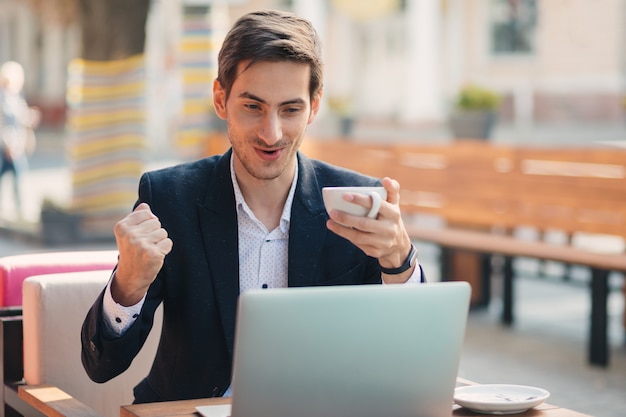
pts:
[203, 232]
[17, 122]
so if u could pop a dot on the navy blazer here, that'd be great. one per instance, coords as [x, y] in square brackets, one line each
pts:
[199, 282]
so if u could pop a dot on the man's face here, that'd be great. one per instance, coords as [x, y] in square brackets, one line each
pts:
[268, 110]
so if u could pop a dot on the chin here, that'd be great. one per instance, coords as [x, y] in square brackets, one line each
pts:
[267, 176]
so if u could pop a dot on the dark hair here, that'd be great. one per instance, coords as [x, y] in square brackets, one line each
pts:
[270, 35]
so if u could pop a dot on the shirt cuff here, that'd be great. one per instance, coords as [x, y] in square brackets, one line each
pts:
[416, 277]
[117, 318]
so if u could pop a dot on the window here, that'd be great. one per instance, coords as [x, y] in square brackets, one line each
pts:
[513, 27]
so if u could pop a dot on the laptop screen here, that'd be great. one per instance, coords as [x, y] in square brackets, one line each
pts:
[370, 350]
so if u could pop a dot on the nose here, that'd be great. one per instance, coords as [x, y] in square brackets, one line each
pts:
[270, 130]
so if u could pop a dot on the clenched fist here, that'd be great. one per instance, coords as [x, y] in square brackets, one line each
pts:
[143, 245]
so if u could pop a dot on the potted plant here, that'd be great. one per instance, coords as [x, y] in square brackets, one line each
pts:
[475, 112]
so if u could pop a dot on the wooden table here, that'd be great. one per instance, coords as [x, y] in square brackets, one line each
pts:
[51, 401]
[183, 408]
[186, 408]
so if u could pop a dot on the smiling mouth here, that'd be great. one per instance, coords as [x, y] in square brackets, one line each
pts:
[269, 154]
[270, 151]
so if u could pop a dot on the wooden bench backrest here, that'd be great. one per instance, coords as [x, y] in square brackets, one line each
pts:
[580, 190]
[370, 159]
[461, 182]
[480, 184]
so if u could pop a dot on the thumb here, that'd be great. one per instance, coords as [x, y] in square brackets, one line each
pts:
[393, 190]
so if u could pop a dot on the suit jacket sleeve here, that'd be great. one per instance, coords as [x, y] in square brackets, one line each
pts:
[104, 357]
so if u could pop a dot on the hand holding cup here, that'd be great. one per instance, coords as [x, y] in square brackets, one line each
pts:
[334, 200]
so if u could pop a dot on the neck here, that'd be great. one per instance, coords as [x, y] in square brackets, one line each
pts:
[266, 198]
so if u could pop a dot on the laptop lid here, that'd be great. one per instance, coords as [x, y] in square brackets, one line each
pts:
[348, 351]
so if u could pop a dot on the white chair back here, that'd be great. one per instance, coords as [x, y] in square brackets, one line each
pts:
[54, 307]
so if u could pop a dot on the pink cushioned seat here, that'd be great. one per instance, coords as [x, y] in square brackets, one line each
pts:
[15, 269]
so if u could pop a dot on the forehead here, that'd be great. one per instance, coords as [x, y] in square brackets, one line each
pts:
[273, 81]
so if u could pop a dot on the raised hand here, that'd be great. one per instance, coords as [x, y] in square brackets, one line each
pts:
[143, 245]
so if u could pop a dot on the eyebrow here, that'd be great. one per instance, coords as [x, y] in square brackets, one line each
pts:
[250, 96]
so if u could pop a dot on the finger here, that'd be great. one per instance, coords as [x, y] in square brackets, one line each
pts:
[141, 207]
[148, 226]
[393, 190]
[371, 243]
[156, 236]
[140, 214]
[137, 217]
[153, 247]
[364, 200]
[136, 224]
[165, 245]
[346, 220]
[143, 211]
[148, 232]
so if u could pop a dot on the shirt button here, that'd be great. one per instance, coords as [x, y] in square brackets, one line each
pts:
[118, 320]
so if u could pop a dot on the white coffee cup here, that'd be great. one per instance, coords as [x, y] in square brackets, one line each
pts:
[333, 200]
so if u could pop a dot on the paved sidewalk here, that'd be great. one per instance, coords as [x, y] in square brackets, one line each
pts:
[547, 347]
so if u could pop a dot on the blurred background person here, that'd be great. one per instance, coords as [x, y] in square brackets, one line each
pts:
[17, 124]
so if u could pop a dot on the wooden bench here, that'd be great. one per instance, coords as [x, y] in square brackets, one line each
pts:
[482, 193]
[52, 401]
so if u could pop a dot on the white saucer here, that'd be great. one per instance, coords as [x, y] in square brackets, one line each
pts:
[499, 398]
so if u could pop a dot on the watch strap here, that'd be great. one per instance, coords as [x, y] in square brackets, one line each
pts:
[408, 263]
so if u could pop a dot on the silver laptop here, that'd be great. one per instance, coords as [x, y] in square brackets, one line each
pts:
[348, 351]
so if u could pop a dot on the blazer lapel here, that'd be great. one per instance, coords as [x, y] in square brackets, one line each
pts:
[307, 230]
[218, 222]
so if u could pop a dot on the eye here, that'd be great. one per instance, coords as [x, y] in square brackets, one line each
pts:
[292, 110]
[252, 106]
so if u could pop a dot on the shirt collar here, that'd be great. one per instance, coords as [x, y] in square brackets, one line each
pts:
[240, 202]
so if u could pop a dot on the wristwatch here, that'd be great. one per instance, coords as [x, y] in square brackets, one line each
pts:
[408, 263]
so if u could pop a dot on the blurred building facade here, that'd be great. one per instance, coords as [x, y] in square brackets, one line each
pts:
[44, 43]
[557, 61]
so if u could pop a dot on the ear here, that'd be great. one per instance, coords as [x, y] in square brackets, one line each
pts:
[219, 100]
[315, 106]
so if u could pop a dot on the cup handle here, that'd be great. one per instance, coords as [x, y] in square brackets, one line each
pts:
[375, 205]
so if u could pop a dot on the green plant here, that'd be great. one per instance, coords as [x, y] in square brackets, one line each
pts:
[474, 97]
